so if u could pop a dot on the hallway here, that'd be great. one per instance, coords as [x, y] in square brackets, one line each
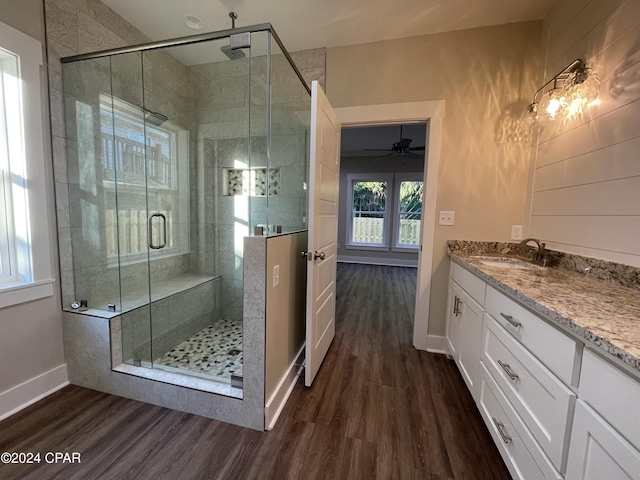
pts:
[378, 409]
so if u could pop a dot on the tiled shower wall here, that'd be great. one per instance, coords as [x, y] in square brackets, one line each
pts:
[232, 131]
[75, 27]
[175, 319]
[81, 26]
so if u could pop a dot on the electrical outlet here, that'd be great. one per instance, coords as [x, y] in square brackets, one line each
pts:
[276, 275]
[516, 232]
[447, 218]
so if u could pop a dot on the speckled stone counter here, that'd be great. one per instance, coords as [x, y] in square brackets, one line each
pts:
[601, 306]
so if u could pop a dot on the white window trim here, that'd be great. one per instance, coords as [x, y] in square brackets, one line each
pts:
[399, 178]
[369, 177]
[38, 282]
[391, 215]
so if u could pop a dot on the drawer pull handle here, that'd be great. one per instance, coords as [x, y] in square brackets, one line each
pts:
[457, 306]
[510, 319]
[500, 426]
[508, 371]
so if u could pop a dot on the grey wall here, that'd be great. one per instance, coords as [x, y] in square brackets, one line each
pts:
[31, 333]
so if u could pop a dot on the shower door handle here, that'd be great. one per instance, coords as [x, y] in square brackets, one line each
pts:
[164, 231]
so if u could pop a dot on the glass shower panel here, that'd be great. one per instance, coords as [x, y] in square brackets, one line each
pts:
[196, 120]
[123, 122]
[92, 224]
[258, 194]
[289, 145]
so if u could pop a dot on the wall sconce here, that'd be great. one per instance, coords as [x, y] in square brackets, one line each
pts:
[571, 89]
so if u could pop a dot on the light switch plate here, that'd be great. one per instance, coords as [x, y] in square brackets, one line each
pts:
[447, 217]
[276, 275]
[516, 232]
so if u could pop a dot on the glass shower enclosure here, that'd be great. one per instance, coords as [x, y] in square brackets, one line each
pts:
[176, 152]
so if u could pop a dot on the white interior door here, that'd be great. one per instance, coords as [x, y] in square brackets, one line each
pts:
[324, 178]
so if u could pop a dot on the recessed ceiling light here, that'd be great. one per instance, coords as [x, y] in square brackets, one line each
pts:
[194, 22]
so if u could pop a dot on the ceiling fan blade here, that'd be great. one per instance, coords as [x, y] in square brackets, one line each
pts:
[417, 148]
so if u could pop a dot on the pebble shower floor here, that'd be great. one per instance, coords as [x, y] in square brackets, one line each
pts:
[214, 351]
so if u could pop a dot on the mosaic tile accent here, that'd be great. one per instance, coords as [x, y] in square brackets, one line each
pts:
[214, 351]
[253, 182]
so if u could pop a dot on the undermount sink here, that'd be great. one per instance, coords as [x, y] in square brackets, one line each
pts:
[507, 263]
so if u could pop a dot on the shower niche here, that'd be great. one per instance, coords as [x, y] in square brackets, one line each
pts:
[175, 152]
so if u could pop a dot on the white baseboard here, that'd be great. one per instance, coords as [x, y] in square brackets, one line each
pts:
[276, 403]
[389, 262]
[436, 344]
[29, 392]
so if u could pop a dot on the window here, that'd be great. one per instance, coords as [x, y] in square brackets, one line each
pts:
[145, 163]
[368, 209]
[384, 211]
[409, 190]
[25, 255]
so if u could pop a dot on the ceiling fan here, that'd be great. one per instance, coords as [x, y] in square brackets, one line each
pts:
[401, 147]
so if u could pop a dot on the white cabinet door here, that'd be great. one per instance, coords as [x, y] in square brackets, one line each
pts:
[464, 334]
[597, 451]
[453, 321]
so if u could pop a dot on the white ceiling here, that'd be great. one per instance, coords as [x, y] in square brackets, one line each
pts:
[306, 24]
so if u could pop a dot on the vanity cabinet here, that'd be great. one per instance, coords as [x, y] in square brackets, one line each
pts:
[605, 440]
[520, 371]
[555, 409]
[464, 325]
[541, 400]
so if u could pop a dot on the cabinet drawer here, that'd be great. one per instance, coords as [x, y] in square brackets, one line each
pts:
[544, 404]
[614, 394]
[598, 451]
[555, 349]
[473, 285]
[519, 450]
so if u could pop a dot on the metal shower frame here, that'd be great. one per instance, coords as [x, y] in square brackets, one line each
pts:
[199, 38]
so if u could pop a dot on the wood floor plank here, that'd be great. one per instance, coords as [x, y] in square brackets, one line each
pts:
[378, 409]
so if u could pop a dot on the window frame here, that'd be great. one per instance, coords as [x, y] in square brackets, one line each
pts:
[31, 173]
[399, 178]
[389, 206]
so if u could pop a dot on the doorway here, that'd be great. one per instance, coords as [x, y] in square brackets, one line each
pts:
[430, 114]
[381, 191]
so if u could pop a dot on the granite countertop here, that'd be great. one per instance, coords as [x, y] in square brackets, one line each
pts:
[603, 312]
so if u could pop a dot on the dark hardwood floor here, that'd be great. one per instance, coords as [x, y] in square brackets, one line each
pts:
[378, 409]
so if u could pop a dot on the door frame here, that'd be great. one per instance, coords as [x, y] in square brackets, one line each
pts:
[431, 112]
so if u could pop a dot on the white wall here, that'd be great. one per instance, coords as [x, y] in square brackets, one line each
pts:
[31, 352]
[586, 185]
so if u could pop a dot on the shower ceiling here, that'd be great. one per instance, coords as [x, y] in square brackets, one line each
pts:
[306, 24]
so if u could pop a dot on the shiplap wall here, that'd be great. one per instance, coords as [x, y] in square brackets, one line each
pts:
[586, 188]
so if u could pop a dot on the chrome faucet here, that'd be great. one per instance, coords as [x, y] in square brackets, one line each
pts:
[540, 257]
